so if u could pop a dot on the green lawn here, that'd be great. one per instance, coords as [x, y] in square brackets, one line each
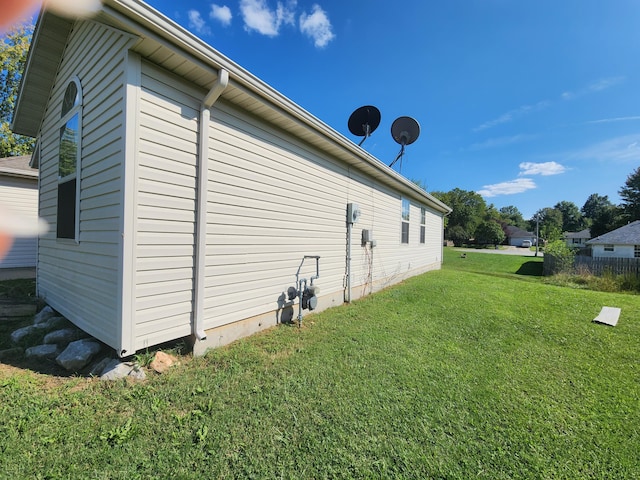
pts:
[468, 372]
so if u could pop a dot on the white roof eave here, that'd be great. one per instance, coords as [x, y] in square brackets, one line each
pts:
[141, 19]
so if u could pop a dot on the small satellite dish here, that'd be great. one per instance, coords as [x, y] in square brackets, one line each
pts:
[405, 131]
[364, 121]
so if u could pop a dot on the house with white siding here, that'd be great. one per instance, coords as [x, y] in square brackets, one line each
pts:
[19, 196]
[515, 236]
[623, 242]
[183, 193]
[577, 239]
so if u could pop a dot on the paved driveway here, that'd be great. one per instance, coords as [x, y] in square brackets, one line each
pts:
[504, 250]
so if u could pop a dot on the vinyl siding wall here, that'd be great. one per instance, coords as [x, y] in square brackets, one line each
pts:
[619, 251]
[21, 196]
[166, 206]
[81, 279]
[273, 199]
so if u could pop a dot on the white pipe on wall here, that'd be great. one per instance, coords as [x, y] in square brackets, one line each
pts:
[201, 220]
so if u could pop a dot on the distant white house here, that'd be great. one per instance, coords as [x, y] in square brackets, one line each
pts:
[19, 194]
[623, 242]
[183, 193]
[577, 239]
[516, 236]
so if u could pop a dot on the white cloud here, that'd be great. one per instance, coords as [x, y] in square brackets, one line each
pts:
[221, 14]
[500, 142]
[513, 114]
[259, 17]
[612, 120]
[597, 86]
[625, 149]
[197, 23]
[544, 169]
[317, 26]
[511, 187]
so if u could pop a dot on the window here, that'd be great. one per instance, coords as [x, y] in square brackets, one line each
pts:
[423, 224]
[406, 207]
[608, 248]
[69, 161]
[636, 251]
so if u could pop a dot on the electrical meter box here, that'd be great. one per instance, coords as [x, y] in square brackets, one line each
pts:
[353, 212]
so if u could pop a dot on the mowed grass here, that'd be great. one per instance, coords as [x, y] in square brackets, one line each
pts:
[460, 373]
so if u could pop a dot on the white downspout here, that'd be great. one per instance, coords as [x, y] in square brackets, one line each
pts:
[201, 210]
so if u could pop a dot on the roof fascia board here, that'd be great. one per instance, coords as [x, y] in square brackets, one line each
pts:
[9, 172]
[43, 18]
[138, 14]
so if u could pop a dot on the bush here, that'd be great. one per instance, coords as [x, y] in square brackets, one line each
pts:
[561, 254]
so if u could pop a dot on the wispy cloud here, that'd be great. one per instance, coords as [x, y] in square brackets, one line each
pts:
[520, 185]
[511, 187]
[221, 13]
[197, 23]
[513, 114]
[500, 142]
[544, 169]
[317, 26]
[623, 149]
[259, 17]
[597, 86]
[614, 120]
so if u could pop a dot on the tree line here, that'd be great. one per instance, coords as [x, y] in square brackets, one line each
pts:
[14, 46]
[473, 219]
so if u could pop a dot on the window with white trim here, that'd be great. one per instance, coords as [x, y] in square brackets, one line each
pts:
[423, 224]
[69, 162]
[608, 248]
[636, 251]
[406, 207]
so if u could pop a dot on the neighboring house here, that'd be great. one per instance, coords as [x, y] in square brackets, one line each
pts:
[577, 239]
[623, 242]
[515, 236]
[183, 193]
[19, 194]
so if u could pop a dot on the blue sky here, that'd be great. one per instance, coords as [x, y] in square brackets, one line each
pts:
[526, 102]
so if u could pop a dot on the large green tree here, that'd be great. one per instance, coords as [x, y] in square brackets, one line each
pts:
[630, 195]
[550, 224]
[489, 231]
[510, 215]
[594, 205]
[14, 46]
[572, 219]
[607, 219]
[469, 209]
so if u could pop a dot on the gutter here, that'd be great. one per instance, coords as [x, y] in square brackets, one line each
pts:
[203, 181]
[138, 12]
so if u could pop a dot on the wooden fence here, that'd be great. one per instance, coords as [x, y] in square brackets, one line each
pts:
[593, 265]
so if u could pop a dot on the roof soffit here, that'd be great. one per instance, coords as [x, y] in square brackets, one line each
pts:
[177, 50]
[47, 46]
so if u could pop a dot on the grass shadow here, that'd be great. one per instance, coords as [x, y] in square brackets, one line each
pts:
[531, 269]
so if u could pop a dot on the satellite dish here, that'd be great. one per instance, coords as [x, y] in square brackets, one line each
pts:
[364, 121]
[405, 131]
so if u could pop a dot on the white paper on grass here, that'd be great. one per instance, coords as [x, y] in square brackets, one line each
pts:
[608, 316]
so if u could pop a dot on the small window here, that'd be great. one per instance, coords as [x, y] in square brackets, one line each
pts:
[636, 251]
[423, 224]
[406, 207]
[608, 248]
[69, 162]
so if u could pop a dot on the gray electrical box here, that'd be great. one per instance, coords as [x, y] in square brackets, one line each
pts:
[353, 212]
[367, 236]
